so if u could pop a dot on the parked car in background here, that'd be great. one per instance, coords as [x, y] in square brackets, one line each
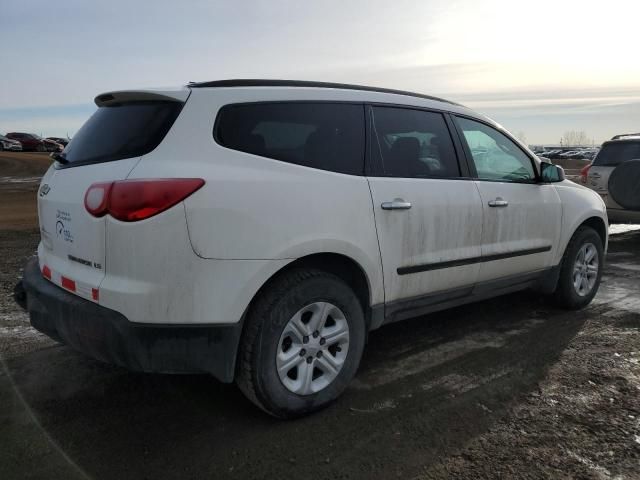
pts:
[257, 230]
[9, 144]
[552, 153]
[570, 154]
[62, 141]
[615, 175]
[30, 141]
[52, 146]
[589, 154]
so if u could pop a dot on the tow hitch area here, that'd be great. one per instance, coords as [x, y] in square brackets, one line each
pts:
[19, 295]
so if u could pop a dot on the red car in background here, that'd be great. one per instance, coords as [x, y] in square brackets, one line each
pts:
[30, 141]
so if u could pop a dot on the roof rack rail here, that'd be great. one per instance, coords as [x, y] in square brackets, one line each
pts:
[250, 82]
[625, 135]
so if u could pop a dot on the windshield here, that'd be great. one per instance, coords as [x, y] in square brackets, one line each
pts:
[121, 131]
[613, 154]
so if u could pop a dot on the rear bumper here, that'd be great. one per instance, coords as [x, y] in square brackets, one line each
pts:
[108, 336]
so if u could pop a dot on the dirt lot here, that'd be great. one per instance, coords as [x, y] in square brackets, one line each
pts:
[19, 177]
[508, 388]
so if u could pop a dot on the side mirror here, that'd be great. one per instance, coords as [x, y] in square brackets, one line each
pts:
[551, 173]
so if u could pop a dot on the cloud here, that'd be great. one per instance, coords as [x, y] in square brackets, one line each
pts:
[59, 121]
[514, 63]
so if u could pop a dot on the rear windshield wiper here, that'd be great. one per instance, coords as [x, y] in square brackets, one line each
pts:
[59, 157]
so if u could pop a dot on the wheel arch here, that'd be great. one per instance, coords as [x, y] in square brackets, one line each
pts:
[340, 265]
[599, 226]
[549, 281]
[593, 218]
[337, 264]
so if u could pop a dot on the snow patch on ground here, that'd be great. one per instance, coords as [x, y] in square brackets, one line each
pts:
[622, 228]
[20, 179]
[601, 472]
[459, 384]
[21, 331]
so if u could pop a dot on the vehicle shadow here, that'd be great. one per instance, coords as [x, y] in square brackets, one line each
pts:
[426, 387]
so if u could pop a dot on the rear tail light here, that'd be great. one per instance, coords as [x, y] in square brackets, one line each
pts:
[133, 200]
[584, 173]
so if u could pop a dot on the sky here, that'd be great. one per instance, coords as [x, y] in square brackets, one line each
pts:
[540, 68]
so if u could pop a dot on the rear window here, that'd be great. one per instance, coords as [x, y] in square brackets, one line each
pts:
[121, 131]
[613, 154]
[327, 136]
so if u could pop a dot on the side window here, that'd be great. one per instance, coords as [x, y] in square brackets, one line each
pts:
[327, 136]
[494, 155]
[413, 144]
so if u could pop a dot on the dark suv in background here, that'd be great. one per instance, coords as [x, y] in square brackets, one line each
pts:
[615, 175]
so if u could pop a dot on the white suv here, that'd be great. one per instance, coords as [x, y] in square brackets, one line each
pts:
[258, 230]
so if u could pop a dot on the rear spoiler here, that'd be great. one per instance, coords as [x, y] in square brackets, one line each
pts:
[110, 98]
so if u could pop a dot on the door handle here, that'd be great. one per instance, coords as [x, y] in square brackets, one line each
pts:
[498, 202]
[397, 204]
[594, 175]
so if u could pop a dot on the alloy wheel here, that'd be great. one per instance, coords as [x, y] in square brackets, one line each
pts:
[585, 269]
[312, 348]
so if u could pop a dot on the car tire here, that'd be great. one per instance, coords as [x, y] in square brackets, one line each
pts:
[275, 333]
[580, 270]
[41, 148]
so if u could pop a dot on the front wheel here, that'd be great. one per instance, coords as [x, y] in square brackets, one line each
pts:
[302, 343]
[581, 269]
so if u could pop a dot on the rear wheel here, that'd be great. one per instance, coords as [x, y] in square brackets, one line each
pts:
[581, 269]
[302, 343]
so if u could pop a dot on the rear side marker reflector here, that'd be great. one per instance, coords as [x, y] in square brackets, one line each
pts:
[133, 200]
[68, 284]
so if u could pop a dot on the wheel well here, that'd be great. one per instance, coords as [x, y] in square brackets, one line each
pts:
[339, 265]
[599, 226]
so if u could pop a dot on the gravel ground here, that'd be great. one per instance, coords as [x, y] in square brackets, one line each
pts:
[507, 388]
[583, 420]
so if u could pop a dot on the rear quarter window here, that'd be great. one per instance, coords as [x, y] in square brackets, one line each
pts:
[120, 131]
[326, 136]
[613, 154]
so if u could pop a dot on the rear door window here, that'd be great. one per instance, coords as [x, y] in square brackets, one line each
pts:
[411, 143]
[121, 131]
[327, 136]
[613, 154]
